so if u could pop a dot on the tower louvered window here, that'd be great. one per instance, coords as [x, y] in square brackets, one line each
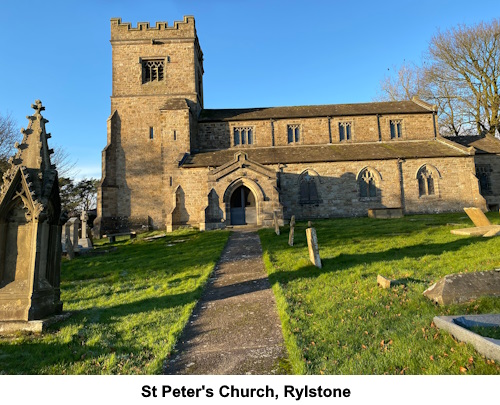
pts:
[153, 70]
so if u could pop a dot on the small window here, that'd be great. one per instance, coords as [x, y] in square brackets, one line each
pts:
[396, 129]
[153, 70]
[243, 136]
[293, 133]
[345, 131]
[175, 135]
[151, 133]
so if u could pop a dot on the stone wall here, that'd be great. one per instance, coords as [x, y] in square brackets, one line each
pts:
[315, 131]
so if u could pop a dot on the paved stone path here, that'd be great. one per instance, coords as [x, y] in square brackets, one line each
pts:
[235, 328]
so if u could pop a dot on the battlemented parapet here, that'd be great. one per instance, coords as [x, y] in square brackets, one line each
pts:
[180, 29]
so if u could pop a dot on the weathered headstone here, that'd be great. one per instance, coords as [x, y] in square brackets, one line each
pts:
[84, 241]
[68, 247]
[30, 230]
[292, 230]
[312, 243]
[463, 287]
[73, 229]
[276, 223]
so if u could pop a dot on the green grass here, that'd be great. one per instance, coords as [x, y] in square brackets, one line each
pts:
[128, 308]
[336, 320]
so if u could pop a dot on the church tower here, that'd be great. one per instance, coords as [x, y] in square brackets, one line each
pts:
[157, 95]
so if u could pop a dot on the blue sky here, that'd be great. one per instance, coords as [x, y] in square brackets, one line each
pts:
[256, 53]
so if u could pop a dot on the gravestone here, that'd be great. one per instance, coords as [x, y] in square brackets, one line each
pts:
[477, 216]
[73, 228]
[483, 226]
[276, 224]
[312, 244]
[30, 230]
[84, 242]
[463, 287]
[292, 230]
[68, 248]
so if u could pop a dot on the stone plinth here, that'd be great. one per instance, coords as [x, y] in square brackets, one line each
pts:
[385, 213]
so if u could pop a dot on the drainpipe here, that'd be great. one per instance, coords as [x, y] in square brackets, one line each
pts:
[378, 125]
[401, 183]
[434, 123]
[330, 129]
[272, 131]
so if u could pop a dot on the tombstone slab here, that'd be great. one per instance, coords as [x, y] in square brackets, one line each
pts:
[477, 216]
[463, 287]
[486, 231]
[276, 223]
[84, 242]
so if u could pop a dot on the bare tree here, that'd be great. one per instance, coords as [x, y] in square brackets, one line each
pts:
[9, 134]
[460, 74]
[406, 81]
[467, 59]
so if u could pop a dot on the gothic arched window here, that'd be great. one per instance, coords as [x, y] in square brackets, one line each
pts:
[308, 189]
[367, 184]
[427, 181]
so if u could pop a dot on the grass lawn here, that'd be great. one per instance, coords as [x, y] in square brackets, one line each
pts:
[336, 320]
[129, 307]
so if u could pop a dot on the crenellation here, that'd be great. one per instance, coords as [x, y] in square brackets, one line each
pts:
[161, 30]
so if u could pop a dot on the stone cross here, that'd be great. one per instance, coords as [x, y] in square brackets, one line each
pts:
[292, 230]
[276, 224]
[312, 244]
[84, 217]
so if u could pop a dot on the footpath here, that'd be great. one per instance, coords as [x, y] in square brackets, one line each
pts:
[235, 328]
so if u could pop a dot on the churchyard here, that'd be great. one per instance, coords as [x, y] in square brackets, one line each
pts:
[337, 320]
[129, 305]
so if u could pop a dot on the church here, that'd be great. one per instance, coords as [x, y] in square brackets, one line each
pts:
[171, 162]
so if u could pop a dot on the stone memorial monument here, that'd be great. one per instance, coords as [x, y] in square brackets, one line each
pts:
[292, 231]
[30, 230]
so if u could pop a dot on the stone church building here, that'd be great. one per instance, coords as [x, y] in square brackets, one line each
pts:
[170, 162]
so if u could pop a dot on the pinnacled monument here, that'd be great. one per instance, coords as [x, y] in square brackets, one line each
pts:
[30, 229]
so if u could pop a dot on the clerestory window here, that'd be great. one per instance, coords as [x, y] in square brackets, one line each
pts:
[396, 129]
[153, 70]
[345, 131]
[243, 136]
[293, 133]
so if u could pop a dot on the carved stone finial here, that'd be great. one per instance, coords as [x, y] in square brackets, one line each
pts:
[38, 106]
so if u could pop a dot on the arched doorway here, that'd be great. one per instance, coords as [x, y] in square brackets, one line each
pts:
[243, 207]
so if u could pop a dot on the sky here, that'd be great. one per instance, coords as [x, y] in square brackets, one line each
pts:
[258, 53]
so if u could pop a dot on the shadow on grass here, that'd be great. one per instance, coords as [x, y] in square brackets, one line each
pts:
[344, 261]
[76, 350]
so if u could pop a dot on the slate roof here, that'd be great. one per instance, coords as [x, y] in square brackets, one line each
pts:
[330, 153]
[482, 143]
[309, 111]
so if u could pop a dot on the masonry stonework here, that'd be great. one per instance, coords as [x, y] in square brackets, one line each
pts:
[169, 162]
